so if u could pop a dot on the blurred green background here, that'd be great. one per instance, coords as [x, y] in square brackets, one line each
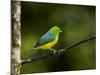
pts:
[76, 22]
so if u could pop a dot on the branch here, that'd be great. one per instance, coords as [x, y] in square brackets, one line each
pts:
[46, 55]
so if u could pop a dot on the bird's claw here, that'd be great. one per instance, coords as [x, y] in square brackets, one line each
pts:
[55, 52]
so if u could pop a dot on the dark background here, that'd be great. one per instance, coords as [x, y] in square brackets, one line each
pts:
[76, 22]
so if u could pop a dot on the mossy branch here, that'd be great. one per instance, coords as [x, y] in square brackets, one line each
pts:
[46, 55]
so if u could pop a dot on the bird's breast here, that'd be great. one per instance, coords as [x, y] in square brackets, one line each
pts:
[49, 45]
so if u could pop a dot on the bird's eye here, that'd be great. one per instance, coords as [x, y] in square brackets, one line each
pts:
[57, 29]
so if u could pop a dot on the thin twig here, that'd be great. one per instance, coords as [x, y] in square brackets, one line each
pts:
[80, 42]
[46, 55]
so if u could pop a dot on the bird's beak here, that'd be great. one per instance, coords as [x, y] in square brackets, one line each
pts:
[60, 31]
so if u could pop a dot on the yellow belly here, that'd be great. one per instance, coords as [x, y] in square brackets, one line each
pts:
[48, 45]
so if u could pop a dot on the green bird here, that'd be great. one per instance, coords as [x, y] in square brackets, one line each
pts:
[49, 39]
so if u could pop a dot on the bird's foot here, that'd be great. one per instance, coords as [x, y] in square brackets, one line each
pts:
[55, 52]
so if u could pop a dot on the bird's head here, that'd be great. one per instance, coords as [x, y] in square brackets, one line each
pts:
[55, 30]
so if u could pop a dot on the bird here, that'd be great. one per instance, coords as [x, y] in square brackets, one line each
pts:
[49, 39]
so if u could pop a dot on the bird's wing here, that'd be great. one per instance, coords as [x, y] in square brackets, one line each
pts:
[48, 37]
